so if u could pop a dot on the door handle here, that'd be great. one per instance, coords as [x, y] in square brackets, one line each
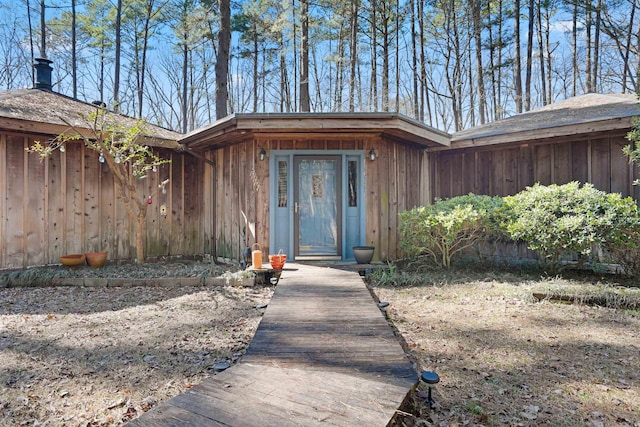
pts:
[296, 207]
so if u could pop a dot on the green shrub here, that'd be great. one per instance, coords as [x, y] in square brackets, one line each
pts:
[448, 227]
[562, 220]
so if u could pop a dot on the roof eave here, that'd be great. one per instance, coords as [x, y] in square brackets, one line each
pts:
[52, 129]
[620, 123]
[235, 127]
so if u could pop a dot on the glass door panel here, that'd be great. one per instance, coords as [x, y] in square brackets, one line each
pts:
[318, 206]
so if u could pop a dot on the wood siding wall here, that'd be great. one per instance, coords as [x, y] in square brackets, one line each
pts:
[242, 189]
[505, 170]
[68, 203]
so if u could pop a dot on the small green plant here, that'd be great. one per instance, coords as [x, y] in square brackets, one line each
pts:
[475, 409]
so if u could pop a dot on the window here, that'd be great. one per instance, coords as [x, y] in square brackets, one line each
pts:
[353, 183]
[282, 184]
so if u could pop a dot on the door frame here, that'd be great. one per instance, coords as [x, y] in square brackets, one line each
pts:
[277, 155]
[297, 159]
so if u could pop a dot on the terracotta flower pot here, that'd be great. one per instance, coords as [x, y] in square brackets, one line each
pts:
[72, 261]
[96, 259]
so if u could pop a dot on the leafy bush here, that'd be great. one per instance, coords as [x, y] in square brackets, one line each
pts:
[562, 220]
[448, 227]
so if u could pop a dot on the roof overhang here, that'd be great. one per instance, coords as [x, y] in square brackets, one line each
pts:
[621, 124]
[586, 114]
[38, 112]
[242, 127]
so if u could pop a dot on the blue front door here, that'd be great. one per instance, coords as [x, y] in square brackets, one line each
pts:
[317, 197]
[317, 204]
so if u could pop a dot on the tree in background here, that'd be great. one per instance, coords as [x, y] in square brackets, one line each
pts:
[447, 63]
[122, 147]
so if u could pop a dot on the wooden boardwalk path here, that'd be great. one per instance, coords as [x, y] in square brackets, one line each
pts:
[322, 355]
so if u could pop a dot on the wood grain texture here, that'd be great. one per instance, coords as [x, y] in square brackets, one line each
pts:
[322, 355]
[68, 203]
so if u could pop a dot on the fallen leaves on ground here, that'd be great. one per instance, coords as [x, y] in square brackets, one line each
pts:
[505, 359]
[102, 356]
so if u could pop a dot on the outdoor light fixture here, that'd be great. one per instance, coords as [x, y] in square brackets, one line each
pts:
[372, 154]
[262, 154]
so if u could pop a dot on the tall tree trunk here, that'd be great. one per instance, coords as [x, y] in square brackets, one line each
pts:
[500, 113]
[74, 61]
[628, 47]
[185, 83]
[424, 91]
[118, 42]
[477, 28]
[541, 50]
[353, 53]
[517, 57]
[285, 94]
[527, 82]
[145, 46]
[256, 54]
[304, 57]
[574, 46]
[547, 43]
[596, 48]
[492, 64]
[385, 55]
[374, 56]
[588, 63]
[222, 63]
[103, 53]
[414, 61]
[397, 109]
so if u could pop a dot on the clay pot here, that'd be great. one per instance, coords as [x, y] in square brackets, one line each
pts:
[96, 259]
[72, 261]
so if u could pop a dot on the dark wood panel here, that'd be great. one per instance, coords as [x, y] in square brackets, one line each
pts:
[510, 171]
[562, 164]
[580, 161]
[496, 172]
[543, 164]
[469, 174]
[601, 164]
[621, 173]
[484, 172]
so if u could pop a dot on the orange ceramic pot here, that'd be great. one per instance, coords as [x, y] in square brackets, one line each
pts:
[96, 259]
[73, 261]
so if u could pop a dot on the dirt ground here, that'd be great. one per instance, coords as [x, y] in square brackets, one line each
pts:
[506, 359]
[100, 356]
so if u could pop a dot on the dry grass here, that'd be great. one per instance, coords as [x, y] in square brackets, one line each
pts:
[506, 359]
[101, 356]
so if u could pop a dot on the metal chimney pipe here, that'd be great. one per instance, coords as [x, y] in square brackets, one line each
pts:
[43, 73]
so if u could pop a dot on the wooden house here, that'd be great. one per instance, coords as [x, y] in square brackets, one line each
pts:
[314, 185]
[310, 184]
[67, 203]
[579, 139]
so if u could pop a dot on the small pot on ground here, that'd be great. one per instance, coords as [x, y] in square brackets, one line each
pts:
[363, 254]
[72, 261]
[96, 259]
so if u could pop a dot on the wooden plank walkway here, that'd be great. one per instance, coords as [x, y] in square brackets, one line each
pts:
[322, 355]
